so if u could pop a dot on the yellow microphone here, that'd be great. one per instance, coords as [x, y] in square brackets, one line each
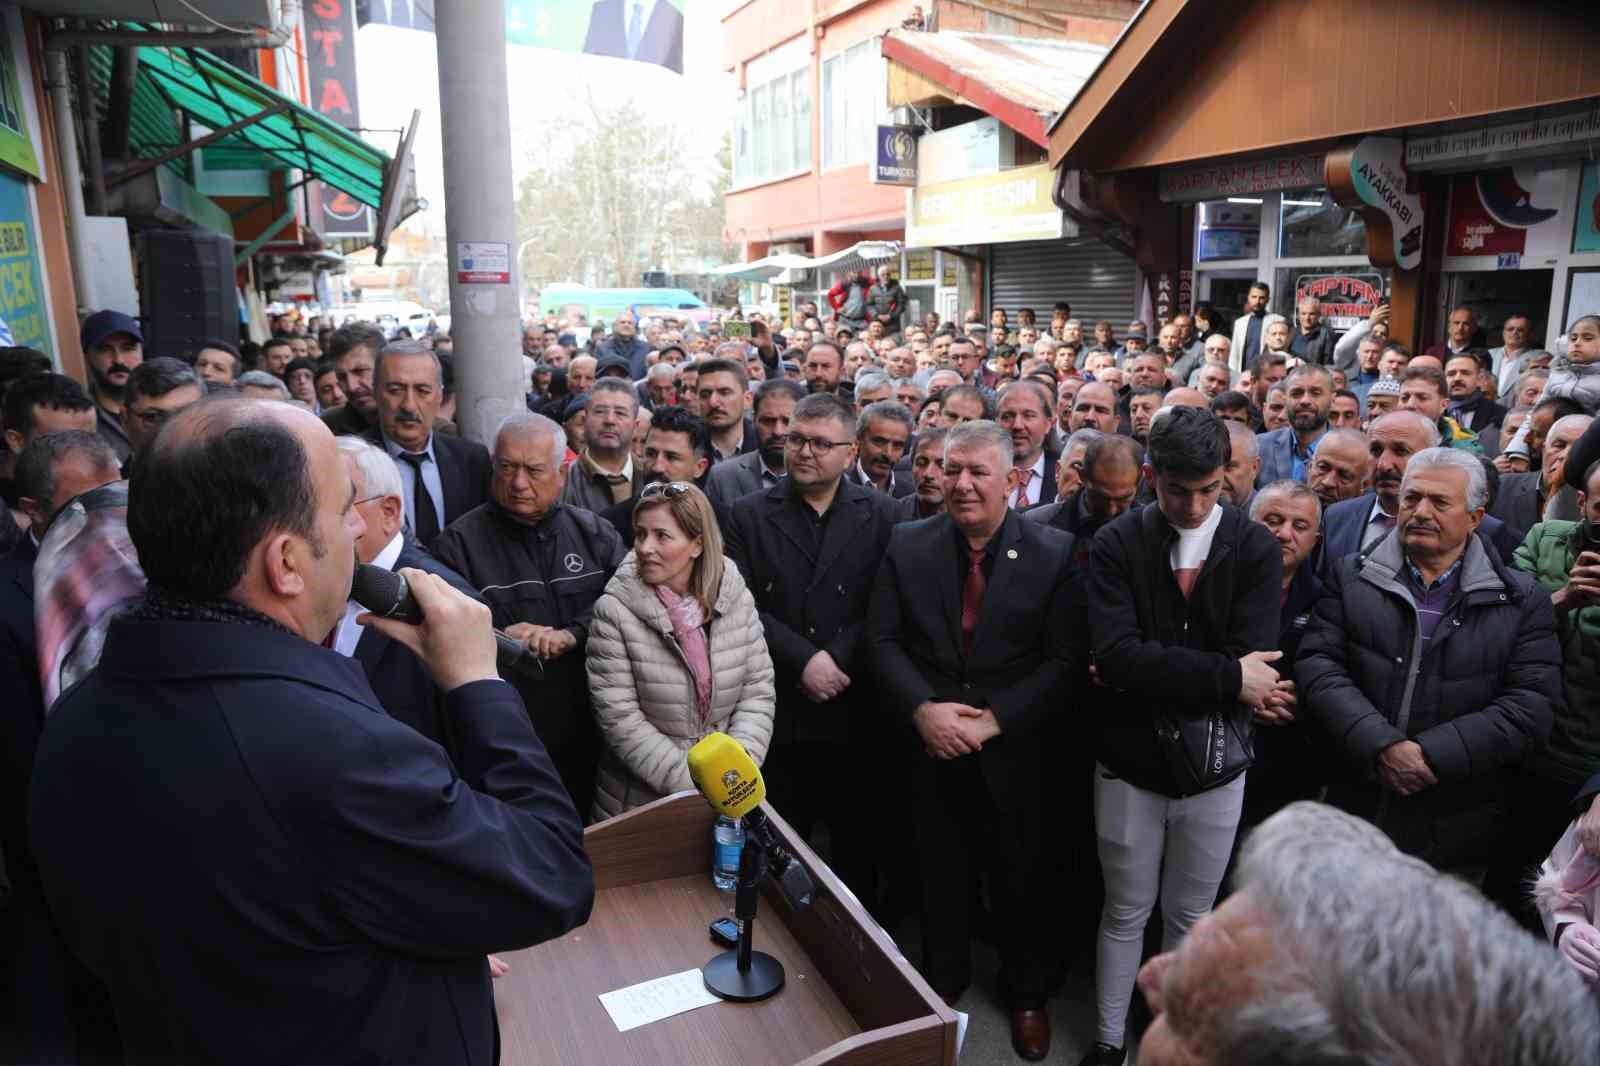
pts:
[726, 775]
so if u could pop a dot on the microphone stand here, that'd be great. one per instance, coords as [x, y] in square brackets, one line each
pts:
[743, 974]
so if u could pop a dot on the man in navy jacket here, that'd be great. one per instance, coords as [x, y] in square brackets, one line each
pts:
[261, 864]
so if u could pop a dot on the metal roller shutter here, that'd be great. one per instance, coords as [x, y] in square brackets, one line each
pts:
[1096, 280]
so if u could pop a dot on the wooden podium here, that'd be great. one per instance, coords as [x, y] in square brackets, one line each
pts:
[850, 997]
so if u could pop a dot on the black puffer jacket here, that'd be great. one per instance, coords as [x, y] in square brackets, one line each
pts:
[1478, 698]
[1164, 652]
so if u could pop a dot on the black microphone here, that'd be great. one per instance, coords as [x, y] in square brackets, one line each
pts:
[388, 595]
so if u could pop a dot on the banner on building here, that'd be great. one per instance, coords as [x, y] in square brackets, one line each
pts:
[1586, 234]
[331, 65]
[1508, 211]
[649, 31]
[21, 279]
[16, 108]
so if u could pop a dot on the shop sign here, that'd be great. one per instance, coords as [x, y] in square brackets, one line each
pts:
[947, 271]
[21, 280]
[1507, 212]
[897, 156]
[331, 65]
[1346, 299]
[1184, 185]
[1377, 178]
[1586, 234]
[1543, 135]
[785, 302]
[962, 151]
[1014, 205]
[919, 265]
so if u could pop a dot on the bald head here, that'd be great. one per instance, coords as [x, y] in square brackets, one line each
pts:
[1186, 397]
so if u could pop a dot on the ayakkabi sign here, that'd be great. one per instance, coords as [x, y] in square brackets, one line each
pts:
[1013, 205]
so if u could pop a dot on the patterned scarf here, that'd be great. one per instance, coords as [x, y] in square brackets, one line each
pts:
[164, 605]
[688, 620]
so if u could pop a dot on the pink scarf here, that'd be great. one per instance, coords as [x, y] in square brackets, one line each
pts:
[688, 620]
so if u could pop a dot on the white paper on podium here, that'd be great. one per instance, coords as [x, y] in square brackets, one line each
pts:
[961, 1032]
[650, 1001]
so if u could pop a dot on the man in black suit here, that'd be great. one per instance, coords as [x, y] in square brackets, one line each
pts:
[1110, 485]
[762, 468]
[677, 447]
[444, 477]
[1522, 498]
[396, 675]
[221, 780]
[1355, 525]
[976, 635]
[1026, 412]
[883, 430]
[650, 31]
[808, 548]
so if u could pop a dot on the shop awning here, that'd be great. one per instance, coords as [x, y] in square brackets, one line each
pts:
[854, 257]
[1022, 81]
[217, 95]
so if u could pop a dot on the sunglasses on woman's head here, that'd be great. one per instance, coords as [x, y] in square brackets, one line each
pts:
[670, 489]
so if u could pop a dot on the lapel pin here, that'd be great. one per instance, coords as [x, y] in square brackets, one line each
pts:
[1011, 553]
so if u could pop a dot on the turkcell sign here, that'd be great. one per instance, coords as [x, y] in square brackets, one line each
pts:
[897, 156]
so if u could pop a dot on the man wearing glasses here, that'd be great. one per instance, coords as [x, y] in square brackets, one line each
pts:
[808, 547]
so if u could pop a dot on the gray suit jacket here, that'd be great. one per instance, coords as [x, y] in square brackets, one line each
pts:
[1517, 503]
[733, 478]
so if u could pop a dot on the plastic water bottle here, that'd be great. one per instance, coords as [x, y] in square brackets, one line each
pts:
[728, 842]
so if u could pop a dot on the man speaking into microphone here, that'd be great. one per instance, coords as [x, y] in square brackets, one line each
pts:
[260, 863]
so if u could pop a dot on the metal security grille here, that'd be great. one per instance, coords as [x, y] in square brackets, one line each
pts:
[1097, 281]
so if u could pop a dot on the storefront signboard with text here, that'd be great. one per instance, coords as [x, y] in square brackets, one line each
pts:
[1187, 185]
[1508, 211]
[1013, 205]
[1545, 135]
[1346, 298]
[897, 156]
[1370, 175]
[21, 280]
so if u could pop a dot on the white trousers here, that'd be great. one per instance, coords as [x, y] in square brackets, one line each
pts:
[1153, 844]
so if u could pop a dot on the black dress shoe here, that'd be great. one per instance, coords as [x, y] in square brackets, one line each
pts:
[1104, 1055]
[1030, 1033]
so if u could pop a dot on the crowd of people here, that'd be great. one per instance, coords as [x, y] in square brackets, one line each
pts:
[1092, 613]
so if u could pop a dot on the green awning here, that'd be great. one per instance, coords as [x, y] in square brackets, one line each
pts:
[216, 94]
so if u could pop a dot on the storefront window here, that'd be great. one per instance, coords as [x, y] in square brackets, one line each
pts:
[1312, 225]
[1228, 229]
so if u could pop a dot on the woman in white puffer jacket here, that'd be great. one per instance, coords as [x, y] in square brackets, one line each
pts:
[676, 651]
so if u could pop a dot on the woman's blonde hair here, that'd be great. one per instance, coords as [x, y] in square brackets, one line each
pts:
[694, 515]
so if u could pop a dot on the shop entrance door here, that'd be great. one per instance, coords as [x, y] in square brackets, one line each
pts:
[1226, 289]
[1497, 295]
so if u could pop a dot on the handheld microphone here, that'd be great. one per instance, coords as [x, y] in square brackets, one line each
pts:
[388, 595]
[731, 782]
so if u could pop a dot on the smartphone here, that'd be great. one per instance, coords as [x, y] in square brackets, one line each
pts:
[725, 931]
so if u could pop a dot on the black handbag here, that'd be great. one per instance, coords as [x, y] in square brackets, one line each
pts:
[1207, 750]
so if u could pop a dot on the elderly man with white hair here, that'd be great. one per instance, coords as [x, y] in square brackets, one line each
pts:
[541, 565]
[397, 676]
[1335, 948]
[1433, 667]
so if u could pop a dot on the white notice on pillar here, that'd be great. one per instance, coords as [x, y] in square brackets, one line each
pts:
[483, 263]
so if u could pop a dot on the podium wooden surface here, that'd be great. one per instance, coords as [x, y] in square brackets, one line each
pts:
[849, 998]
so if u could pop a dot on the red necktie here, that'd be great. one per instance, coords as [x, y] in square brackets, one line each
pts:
[971, 599]
[1024, 479]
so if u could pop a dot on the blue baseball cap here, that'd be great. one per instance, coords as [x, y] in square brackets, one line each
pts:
[102, 324]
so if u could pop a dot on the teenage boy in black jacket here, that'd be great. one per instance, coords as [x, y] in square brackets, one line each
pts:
[1184, 609]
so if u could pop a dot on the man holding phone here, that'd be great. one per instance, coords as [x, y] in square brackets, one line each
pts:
[1564, 557]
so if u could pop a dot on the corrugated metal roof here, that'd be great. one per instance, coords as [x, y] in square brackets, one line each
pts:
[1023, 81]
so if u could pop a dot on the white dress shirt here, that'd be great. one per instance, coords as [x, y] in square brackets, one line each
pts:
[349, 632]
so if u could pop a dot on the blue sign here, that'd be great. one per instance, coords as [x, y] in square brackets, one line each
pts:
[897, 156]
[1508, 261]
[21, 280]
